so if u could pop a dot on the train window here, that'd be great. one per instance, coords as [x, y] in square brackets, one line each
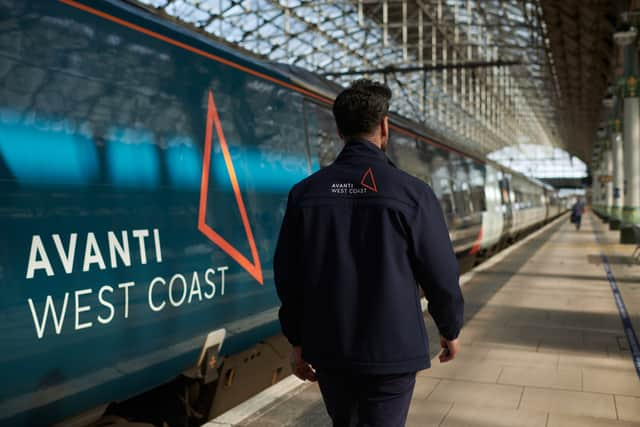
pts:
[322, 134]
[505, 188]
[426, 152]
[518, 199]
[461, 190]
[492, 188]
[404, 152]
[477, 178]
[441, 181]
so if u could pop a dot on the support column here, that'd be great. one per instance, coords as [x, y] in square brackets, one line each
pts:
[608, 181]
[598, 186]
[596, 199]
[631, 185]
[618, 174]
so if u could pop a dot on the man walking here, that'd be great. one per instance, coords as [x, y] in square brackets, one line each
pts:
[356, 238]
[577, 210]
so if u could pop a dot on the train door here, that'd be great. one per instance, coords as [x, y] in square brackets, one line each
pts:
[323, 141]
[506, 198]
[477, 181]
[521, 204]
[467, 229]
[519, 207]
[546, 202]
[493, 220]
[442, 186]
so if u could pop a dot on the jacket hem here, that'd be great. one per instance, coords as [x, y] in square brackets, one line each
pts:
[373, 368]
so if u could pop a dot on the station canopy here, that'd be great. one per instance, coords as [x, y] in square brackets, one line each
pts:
[488, 74]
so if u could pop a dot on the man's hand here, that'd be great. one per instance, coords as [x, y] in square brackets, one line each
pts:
[449, 349]
[301, 369]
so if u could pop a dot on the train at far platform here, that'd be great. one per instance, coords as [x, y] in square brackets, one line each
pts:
[144, 173]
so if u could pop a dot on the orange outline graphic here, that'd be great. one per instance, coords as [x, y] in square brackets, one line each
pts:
[372, 187]
[254, 268]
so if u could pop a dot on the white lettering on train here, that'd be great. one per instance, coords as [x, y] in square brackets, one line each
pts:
[156, 241]
[195, 288]
[178, 284]
[66, 257]
[58, 313]
[91, 307]
[58, 320]
[118, 249]
[81, 309]
[107, 304]
[110, 302]
[152, 306]
[92, 254]
[140, 235]
[38, 259]
[126, 287]
[211, 283]
[183, 286]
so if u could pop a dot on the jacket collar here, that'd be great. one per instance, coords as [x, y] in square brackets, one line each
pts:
[359, 147]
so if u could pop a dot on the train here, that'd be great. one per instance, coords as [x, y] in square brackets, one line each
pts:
[144, 173]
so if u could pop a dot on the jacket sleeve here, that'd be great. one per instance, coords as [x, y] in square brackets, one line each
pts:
[436, 267]
[286, 272]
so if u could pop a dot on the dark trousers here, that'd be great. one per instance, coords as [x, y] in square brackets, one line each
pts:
[366, 400]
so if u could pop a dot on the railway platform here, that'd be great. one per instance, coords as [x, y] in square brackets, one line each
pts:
[543, 344]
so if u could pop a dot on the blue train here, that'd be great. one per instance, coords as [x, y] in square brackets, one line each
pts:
[144, 171]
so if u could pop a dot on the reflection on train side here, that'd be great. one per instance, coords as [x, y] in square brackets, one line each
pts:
[184, 163]
[268, 171]
[47, 152]
[132, 158]
[55, 154]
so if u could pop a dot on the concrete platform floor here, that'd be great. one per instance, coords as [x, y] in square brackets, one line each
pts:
[543, 344]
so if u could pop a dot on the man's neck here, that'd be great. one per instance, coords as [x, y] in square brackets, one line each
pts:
[374, 139]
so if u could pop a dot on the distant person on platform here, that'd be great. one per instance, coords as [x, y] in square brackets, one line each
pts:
[356, 239]
[576, 212]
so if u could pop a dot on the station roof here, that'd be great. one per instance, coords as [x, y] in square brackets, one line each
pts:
[485, 73]
[585, 62]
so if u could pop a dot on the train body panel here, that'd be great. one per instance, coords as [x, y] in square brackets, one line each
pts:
[144, 172]
[527, 217]
[528, 204]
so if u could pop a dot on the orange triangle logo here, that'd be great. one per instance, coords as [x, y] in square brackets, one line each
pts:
[253, 267]
[368, 181]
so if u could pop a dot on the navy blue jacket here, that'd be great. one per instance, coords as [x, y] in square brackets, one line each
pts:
[356, 239]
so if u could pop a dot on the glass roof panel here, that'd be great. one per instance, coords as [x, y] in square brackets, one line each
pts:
[540, 161]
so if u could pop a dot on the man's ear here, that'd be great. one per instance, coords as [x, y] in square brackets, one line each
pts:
[384, 127]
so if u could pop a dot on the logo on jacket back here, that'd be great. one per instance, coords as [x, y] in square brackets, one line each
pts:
[368, 182]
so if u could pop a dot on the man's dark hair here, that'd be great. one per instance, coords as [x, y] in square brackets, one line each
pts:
[361, 107]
